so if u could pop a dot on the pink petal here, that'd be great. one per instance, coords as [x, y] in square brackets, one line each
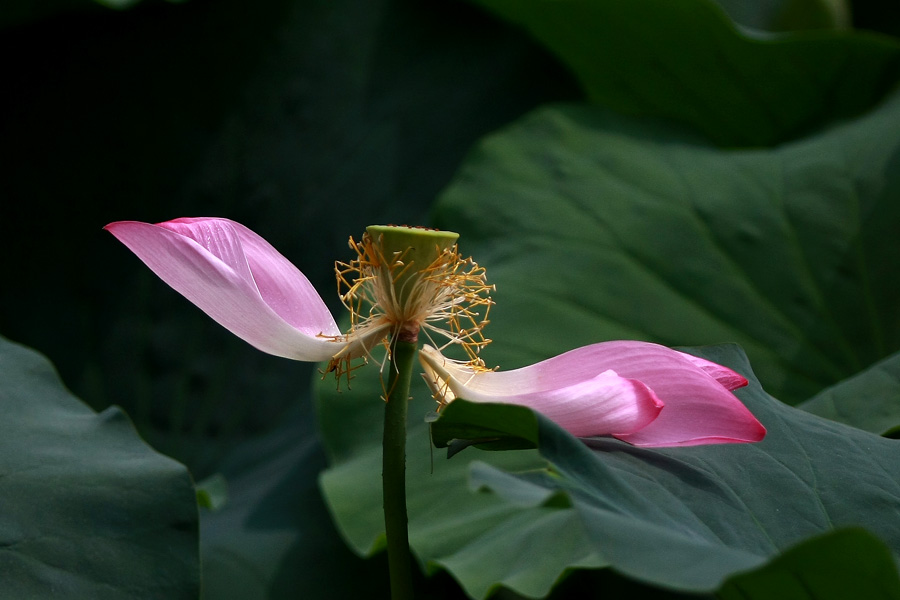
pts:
[698, 408]
[239, 280]
[589, 404]
[729, 379]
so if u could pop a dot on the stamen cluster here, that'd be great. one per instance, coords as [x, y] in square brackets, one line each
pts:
[388, 294]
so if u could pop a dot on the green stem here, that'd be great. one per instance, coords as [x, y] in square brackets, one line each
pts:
[393, 472]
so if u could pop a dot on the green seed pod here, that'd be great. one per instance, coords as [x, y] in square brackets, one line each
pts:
[417, 248]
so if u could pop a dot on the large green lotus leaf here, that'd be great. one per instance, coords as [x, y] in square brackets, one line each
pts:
[88, 509]
[689, 518]
[847, 563]
[869, 400]
[686, 60]
[595, 226]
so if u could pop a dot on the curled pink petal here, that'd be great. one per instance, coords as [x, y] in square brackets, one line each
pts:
[729, 379]
[584, 403]
[239, 280]
[699, 408]
[697, 404]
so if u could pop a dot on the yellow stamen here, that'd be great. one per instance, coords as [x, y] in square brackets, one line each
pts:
[390, 295]
[440, 371]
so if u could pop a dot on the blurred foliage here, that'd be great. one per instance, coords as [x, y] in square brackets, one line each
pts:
[788, 15]
[89, 510]
[685, 61]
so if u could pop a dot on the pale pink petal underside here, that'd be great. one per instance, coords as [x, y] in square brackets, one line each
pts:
[218, 265]
[282, 286]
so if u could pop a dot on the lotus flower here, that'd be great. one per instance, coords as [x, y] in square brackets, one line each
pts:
[644, 394]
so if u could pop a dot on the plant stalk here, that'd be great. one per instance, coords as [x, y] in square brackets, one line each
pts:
[393, 473]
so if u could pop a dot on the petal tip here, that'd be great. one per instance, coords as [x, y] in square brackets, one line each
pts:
[117, 227]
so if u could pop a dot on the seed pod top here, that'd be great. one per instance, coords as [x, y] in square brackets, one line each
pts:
[408, 279]
[414, 250]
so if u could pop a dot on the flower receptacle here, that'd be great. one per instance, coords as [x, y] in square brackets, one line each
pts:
[417, 248]
[408, 279]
